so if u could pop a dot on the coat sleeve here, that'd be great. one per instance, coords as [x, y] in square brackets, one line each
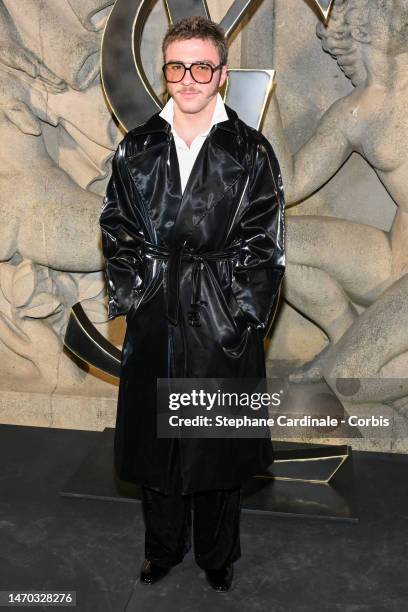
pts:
[258, 274]
[124, 267]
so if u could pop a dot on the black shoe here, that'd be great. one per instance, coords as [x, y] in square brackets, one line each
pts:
[220, 579]
[151, 572]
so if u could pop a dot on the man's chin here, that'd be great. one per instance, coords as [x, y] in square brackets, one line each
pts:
[190, 106]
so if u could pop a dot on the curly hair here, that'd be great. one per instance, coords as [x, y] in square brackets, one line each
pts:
[197, 27]
[350, 27]
[341, 37]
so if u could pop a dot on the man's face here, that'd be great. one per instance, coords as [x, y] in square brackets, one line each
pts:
[188, 95]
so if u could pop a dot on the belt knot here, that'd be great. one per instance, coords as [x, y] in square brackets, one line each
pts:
[199, 260]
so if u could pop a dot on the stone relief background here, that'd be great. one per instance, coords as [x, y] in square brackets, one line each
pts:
[347, 254]
[59, 137]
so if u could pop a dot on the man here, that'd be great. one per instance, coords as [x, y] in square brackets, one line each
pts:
[193, 236]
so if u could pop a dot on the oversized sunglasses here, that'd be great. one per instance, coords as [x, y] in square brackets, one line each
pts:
[201, 72]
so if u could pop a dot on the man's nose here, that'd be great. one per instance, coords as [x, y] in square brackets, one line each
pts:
[188, 79]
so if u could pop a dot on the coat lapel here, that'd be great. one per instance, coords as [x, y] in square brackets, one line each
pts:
[156, 174]
[154, 170]
[214, 173]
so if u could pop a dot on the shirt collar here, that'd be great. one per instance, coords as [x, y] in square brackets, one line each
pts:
[219, 114]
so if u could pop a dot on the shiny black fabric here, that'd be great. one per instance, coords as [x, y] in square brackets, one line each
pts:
[211, 519]
[198, 276]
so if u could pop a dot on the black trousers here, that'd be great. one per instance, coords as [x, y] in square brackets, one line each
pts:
[212, 516]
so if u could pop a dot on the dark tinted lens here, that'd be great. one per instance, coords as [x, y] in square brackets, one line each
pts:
[174, 72]
[202, 72]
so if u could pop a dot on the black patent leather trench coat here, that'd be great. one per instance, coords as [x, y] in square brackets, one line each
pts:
[198, 277]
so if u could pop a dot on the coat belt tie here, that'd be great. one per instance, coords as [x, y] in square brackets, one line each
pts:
[174, 258]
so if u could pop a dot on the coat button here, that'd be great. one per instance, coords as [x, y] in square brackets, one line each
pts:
[194, 318]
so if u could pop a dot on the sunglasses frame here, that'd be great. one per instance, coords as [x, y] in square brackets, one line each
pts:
[213, 68]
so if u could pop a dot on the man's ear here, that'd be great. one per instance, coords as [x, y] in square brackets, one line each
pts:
[224, 72]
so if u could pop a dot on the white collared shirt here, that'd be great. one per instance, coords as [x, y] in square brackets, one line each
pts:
[187, 155]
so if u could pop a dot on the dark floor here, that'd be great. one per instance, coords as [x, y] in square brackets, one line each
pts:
[49, 542]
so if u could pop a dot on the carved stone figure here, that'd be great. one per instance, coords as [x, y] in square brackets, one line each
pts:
[352, 279]
[58, 136]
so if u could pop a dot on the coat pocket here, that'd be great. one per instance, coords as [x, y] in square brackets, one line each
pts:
[146, 296]
[237, 350]
[232, 305]
[229, 316]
